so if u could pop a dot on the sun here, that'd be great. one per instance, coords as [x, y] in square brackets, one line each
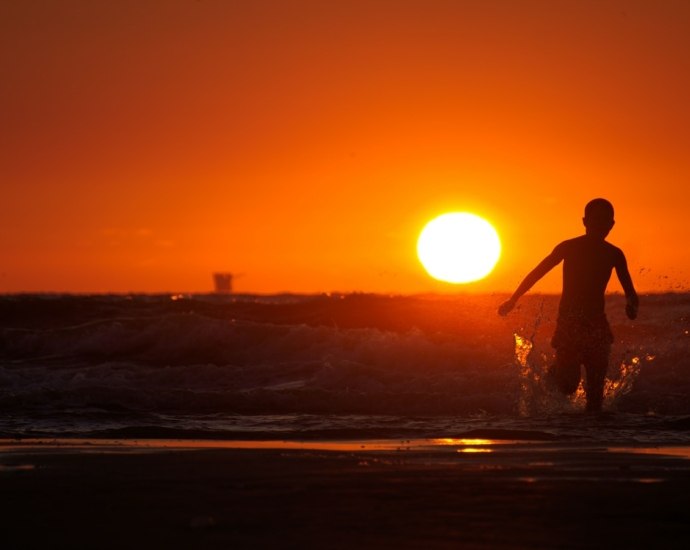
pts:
[458, 247]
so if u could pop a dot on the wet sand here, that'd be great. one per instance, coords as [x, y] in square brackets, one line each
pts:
[418, 494]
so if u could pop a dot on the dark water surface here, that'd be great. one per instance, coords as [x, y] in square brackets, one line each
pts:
[329, 366]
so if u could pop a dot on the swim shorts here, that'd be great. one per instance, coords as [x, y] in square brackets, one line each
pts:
[582, 341]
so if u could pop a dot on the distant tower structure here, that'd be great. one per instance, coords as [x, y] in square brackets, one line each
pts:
[223, 282]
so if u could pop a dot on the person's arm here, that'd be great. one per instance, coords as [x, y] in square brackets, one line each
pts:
[632, 302]
[546, 265]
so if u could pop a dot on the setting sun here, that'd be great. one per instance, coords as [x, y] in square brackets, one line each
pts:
[458, 247]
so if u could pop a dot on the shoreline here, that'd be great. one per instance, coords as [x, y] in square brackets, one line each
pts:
[434, 445]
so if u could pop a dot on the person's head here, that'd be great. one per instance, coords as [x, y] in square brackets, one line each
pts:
[598, 218]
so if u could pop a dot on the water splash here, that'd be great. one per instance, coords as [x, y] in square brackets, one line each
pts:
[533, 390]
[523, 349]
[538, 396]
[616, 388]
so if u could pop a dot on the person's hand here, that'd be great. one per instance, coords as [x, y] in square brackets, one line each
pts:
[506, 307]
[631, 310]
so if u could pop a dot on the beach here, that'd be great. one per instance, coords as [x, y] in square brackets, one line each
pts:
[334, 421]
[361, 494]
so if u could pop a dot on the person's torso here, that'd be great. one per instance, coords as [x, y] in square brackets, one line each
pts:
[587, 267]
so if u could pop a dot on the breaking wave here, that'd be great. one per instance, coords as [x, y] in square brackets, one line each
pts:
[116, 358]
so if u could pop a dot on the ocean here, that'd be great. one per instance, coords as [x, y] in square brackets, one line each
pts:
[328, 367]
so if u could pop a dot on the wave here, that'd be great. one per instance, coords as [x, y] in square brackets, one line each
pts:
[326, 355]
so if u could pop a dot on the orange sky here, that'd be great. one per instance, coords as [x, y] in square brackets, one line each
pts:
[145, 144]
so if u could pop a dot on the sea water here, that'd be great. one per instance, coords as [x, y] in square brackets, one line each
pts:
[339, 366]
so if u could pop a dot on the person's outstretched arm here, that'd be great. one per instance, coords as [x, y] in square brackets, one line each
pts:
[546, 265]
[632, 302]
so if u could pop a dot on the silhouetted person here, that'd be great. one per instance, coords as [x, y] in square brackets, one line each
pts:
[582, 335]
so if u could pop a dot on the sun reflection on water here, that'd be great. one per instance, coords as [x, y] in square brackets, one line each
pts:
[469, 445]
[452, 441]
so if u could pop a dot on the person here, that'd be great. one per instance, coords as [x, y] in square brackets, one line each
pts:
[583, 335]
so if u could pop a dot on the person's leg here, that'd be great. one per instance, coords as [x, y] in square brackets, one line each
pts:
[596, 363]
[566, 370]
